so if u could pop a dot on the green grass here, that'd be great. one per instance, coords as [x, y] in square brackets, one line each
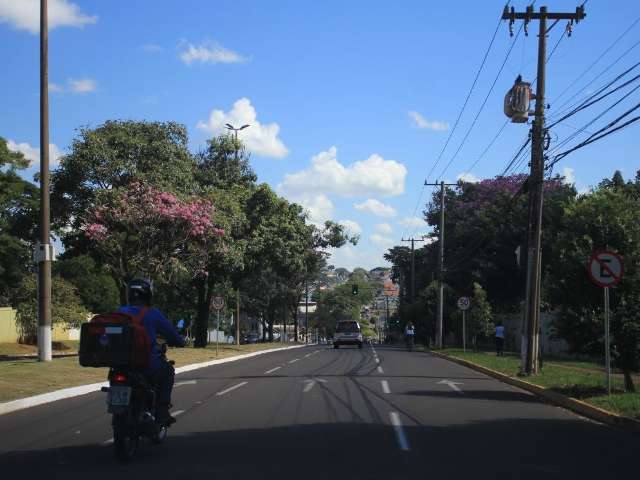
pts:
[23, 378]
[10, 349]
[580, 383]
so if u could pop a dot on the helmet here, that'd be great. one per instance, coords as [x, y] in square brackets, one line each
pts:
[140, 291]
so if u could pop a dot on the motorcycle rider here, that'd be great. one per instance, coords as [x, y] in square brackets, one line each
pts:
[160, 372]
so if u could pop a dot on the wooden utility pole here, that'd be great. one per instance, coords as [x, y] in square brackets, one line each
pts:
[536, 183]
[44, 251]
[238, 317]
[413, 265]
[440, 324]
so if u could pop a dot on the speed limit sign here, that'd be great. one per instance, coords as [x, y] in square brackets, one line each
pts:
[464, 303]
[217, 303]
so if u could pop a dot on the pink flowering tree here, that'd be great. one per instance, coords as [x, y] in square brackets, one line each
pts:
[141, 231]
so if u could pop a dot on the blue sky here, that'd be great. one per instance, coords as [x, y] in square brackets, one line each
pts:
[350, 103]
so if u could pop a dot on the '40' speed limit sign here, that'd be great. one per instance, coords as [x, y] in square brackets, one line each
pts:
[606, 268]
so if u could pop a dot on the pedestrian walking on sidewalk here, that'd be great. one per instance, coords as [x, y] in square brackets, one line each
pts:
[499, 336]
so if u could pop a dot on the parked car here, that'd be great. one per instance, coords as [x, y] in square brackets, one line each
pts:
[348, 332]
[252, 337]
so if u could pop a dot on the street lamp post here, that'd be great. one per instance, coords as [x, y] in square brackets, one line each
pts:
[235, 131]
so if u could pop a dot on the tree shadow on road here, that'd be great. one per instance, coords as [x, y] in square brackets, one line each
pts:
[516, 448]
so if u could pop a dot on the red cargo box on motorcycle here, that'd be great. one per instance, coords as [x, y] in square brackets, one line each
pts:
[115, 340]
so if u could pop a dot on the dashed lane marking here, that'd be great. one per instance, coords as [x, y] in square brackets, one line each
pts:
[403, 443]
[385, 386]
[230, 389]
[380, 369]
[272, 370]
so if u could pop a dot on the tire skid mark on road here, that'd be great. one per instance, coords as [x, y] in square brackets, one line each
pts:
[403, 443]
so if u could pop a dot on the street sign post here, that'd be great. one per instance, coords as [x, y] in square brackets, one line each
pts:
[217, 303]
[606, 270]
[463, 304]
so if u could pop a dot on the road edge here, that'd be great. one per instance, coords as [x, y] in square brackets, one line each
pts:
[577, 406]
[43, 398]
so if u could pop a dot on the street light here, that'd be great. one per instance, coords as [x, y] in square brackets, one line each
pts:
[235, 131]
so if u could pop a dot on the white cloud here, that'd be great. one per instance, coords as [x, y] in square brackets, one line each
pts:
[381, 241]
[467, 177]
[373, 176]
[25, 14]
[383, 228]
[352, 227]
[376, 207]
[55, 88]
[319, 207]
[82, 85]
[33, 153]
[569, 175]
[412, 222]
[258, 138]
[350, 257]
[209, 52]
[421, 122]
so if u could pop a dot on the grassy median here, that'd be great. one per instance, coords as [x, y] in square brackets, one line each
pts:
[582, 380]
[26, 377]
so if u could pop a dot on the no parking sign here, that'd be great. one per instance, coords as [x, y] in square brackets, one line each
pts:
[606, 268]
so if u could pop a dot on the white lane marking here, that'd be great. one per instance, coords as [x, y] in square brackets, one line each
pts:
[397, 426]
[185, 382]
[310, 383]
[377, 360]
[177, 412]
[294, 360]
[108, 442]
[453, 385]
[272, 370]
[230, 389]
[380, 369]
[77, 432]
[385, 386]
[316, 351]
[307, 355]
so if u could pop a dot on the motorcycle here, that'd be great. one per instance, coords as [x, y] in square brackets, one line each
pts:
[131, 399]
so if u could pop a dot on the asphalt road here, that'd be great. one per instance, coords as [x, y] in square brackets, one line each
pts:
[316, 412]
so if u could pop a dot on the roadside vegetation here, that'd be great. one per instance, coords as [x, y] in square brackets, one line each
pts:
[585, 382]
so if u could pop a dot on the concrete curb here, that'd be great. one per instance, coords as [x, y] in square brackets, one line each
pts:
[22, 403]
[573, 404]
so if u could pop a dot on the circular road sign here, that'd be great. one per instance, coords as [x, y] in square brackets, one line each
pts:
[217, 303]
[464, 303]
[605, 268]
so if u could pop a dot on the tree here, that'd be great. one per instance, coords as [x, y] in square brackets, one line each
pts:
[19, 206]
[142, 231]
[604, 219]
[96, 288]
[67, 308]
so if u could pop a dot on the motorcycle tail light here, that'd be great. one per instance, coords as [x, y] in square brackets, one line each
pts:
[119, 378]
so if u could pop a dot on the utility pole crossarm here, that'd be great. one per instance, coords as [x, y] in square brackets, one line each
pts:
[531, 15]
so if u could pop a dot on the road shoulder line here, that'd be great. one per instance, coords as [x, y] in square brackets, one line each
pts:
[577, 406]
[43, 398]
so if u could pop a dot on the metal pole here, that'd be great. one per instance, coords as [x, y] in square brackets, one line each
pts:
[306, 311]
[413, 273]
[44, 252]
[441, 271]
[238, 317]
[607, 344]
[217, 331]
[536, 184]
[464, 333]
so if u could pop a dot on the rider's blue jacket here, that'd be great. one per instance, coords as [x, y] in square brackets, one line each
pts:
[156, 323]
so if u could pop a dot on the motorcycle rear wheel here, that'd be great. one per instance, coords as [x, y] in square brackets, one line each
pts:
[125, 439]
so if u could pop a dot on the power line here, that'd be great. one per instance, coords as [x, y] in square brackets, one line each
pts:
[486, 98]
[595, 62]
[466, 101]
[599, 134]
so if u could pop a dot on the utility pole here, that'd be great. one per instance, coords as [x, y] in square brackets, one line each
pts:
[235, 131]
[413, 265]
[44, 250]
[536, 181]
[440, 325]
[306, 311]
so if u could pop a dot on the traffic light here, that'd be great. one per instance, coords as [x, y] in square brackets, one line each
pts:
[354, 289]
